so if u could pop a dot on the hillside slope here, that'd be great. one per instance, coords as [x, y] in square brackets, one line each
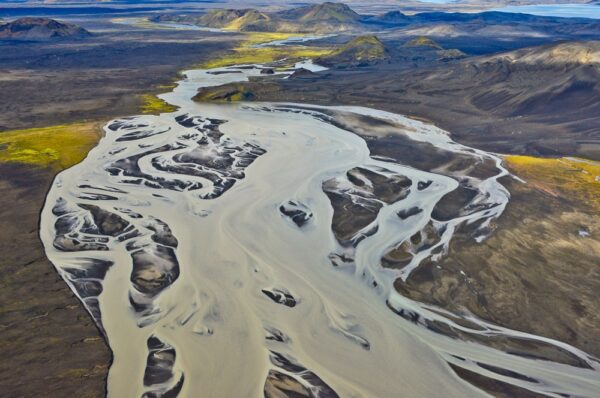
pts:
[361, 51]
[549, 81]
[329, 11]
[540, 101]
[40, 29]
[535, 101]
[318, 18]
[562, 54]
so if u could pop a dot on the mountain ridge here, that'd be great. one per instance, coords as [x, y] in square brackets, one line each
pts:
[330, 17]
[324, 17]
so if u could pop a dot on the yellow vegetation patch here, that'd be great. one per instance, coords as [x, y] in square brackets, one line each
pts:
[153, 105]
[58, 147]
[144, 23]
[252, 39]
[571, 178]
[265, 55]
[248, 53]
[423, 41]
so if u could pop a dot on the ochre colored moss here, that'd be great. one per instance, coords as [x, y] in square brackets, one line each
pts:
[423, 41]
[153, 105]
[248, 53]
[58, 147]
[251, 39]
[570, 178]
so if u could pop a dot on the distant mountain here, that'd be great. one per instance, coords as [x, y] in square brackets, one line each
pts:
[325, 12]
[451, 54]
[423, 41]
[490, 24]
[217, 19]
[396, 17]
[332, 17]
[393, 17]
[245, 20]
[242, 20]
[361, 51]
[222, 18]
[40, 29]
[253, 21]
[319, 18]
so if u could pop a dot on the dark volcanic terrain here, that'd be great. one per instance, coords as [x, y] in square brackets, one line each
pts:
[506, 83]
[542, 100]
[537, 101]
[52, 345]
[40, 29]
[499, 279]
[103, 76]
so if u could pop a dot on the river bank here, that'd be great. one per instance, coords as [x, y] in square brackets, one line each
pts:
[212, 178]
[52, 115]
[50, 342]
[211, 161]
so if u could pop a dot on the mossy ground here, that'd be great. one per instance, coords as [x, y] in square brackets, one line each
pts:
[362, 48]
[63, 146]
[248, 53]
[577, 180]
[152, 105]
[57, 147]
[144, 23]
[423, 41]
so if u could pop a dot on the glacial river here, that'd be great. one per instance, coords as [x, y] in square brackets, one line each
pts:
[201, 242]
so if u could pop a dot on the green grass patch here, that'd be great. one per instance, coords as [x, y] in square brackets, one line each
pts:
[248, 53]
[152, 105]
[58, 147]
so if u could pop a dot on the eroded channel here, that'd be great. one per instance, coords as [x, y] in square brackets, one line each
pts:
[246, 250]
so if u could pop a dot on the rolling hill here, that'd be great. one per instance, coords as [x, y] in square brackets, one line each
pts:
[332, 17]
[361, 51]
[40, 29]
[332, 12]
[319, 18]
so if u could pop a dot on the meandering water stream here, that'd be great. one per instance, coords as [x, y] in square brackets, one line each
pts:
[201, 241]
